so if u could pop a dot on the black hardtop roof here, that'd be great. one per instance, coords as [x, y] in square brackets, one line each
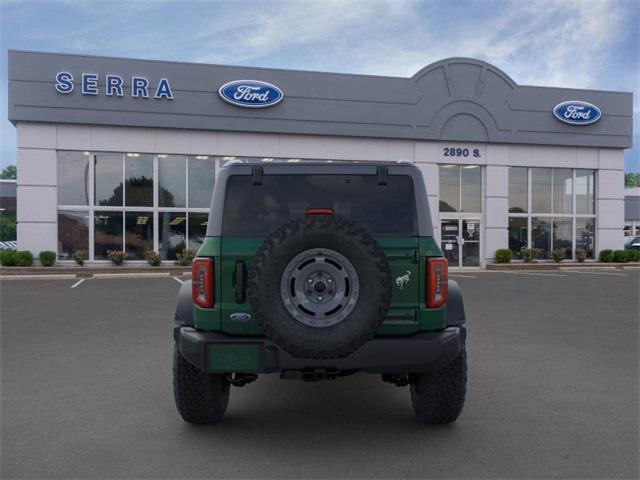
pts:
[316, 163]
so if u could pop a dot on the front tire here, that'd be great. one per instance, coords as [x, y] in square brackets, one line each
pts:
[200, 397]
[438, 397]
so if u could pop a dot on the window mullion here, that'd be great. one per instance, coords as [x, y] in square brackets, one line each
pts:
[92, 201]
[529, 208]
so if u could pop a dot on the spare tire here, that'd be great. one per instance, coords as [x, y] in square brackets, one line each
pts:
[320, 286]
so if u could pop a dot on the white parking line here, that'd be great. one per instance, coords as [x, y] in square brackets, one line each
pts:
[463, 276]
[538, 274]
[78, 283]
[178, 280]
[598, 273]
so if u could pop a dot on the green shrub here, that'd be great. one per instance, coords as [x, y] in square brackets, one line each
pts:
[24, 258]
[8, 258]
[153, 258]
[620, 256]
[79, 256]
[526, 254]
[47, 258]
[581, 254]
[633, 255]
[117, 257]
[185, 258]
[503, 255]
[558, 255]
[606, 255]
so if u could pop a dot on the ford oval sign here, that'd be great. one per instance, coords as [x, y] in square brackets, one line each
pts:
[251, 93]
[577, 112]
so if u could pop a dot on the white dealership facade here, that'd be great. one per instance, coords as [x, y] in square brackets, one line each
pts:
[100, 168]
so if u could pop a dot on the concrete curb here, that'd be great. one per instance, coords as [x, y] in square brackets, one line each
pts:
[89, 272]
[562, 266]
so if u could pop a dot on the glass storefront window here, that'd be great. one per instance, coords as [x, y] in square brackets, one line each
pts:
[541, 235]
[138, 234]
[108, 179]
[471, 188]
[562, 190]
[73, 232]
[562, 235]
[73, 178]
[517, 235]
[585, 235]
[138, 173]
[107, 233]
[201, 178]
[172, 179]
[585, 192]
[449, 188]
[518, 190]
[197, 230]
[541, 190]
[172, 230]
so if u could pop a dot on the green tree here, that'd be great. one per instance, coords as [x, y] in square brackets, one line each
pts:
[9, 172]
[7, 228]
[632, 179]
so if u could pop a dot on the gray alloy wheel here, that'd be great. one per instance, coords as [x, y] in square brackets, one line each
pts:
[320, 287]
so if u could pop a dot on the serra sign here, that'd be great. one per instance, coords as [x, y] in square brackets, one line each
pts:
[577, 112]
[113, 85]
[250, 93]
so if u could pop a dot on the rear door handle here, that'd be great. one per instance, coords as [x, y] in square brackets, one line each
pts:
[239, 277]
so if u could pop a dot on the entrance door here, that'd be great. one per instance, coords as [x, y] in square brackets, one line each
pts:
[460, 241]
[449, 234]
[470, 243]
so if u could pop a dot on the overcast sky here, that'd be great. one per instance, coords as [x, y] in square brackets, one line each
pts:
[566, 43]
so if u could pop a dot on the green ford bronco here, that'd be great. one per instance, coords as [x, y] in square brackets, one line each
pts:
[318, 271]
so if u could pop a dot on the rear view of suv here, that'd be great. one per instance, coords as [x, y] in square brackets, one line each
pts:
[316, 271]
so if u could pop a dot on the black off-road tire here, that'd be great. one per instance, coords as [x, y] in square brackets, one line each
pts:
[200, 397]
[438, 397]
[341, 235]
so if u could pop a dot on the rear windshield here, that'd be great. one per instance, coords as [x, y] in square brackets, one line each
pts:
[251, 210]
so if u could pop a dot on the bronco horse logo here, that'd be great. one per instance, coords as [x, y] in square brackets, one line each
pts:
[402, 280]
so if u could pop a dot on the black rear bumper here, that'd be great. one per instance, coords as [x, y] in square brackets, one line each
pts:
[421, 352]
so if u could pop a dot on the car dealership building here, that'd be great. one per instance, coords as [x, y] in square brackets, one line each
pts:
[122, 154]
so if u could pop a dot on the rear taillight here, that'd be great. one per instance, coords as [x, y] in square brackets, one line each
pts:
[437, 282]
[202, 282]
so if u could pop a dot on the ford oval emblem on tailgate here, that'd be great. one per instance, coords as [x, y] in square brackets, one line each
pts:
[240, 317]
[250, 93]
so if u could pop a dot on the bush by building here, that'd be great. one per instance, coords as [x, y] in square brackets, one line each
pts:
[606, 255]
[558, 255]
[8, 258]
[47, 258]
[152, 258]
[633, 255]
[117, 257]
[185, 258]
[79, 256]
[620, 256]
[24, 258]
[581, 254]
[503, 255]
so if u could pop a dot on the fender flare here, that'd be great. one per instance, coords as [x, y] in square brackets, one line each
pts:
[455, 305]
[184, 305]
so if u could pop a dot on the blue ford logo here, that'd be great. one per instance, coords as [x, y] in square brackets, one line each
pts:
[576, 112]
[250, 93]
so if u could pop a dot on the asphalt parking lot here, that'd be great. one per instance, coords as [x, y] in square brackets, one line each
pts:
[552, 393]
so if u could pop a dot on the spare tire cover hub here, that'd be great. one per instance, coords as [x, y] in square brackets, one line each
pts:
[320, 287]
